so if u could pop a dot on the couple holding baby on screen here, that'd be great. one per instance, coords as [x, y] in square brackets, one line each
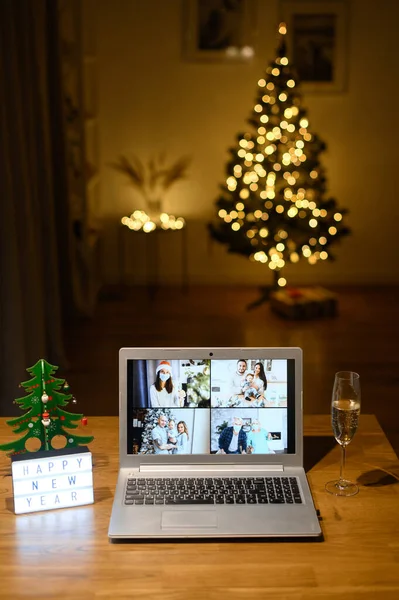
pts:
[169, 439]
[248, 387]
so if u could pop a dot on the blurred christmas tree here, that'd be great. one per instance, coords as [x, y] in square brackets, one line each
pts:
[273, 207]
[44, 418]
[199, 386]
[151, 421]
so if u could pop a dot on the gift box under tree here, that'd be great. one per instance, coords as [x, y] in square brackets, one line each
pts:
[304, 303]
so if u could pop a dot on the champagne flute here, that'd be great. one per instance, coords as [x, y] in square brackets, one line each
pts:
[345, 411]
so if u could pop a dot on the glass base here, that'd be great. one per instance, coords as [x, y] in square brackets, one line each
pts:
[342, 487]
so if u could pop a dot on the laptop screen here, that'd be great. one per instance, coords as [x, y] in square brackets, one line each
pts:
[195, 406]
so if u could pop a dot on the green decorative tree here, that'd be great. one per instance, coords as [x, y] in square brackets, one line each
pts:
[44, 418]
[273, 206]
[151, 421]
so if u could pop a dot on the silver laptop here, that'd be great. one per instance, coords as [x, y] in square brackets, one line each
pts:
[211, 445]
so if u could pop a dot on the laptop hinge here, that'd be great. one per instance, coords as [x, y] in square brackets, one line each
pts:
[209, 468]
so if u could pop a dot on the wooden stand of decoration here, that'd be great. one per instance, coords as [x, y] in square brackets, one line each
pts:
[304, 303]
[45, 476]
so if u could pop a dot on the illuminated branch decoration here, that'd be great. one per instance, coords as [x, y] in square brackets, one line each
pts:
[152, 181]
[273, 207]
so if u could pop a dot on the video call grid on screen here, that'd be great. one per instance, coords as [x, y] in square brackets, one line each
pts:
[240, 406]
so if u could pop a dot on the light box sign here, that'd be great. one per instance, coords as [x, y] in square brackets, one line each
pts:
[54, 479]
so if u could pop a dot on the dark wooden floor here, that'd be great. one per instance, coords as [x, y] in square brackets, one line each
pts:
[363, 338]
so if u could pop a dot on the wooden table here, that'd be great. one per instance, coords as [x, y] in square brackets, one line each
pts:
[66, 553]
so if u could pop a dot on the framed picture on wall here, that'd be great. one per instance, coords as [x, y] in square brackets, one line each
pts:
[246, 424]
[317, 40]
[219, 30]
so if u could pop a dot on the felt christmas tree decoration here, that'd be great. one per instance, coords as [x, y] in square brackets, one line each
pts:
[45, 420]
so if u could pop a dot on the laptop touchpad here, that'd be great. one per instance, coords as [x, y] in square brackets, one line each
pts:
[184, 519]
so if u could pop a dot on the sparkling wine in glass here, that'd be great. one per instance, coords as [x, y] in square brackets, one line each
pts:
[345, 411]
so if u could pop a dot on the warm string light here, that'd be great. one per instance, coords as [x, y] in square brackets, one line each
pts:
[282, 28]
[139, 220]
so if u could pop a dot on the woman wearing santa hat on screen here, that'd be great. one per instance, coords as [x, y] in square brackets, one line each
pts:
[163, 392]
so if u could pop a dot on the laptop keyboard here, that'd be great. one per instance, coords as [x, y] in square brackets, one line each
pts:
[213, 490]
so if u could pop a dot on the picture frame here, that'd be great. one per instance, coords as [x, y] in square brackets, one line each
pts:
[317, 43]
[246, 424]
[219, 30]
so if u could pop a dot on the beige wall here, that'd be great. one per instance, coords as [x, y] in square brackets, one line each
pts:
[151, 99]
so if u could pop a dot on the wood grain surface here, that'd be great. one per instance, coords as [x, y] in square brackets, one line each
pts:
[66, 553]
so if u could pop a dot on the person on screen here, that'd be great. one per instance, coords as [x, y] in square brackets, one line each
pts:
[248, 389]
[163, 393]
[182, 438]
[233, 440]
[237, 379]
[260, 381]
[160, 436]
[172, 435]
[257, 439]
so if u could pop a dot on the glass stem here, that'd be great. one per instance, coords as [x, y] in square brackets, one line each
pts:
[342, 466]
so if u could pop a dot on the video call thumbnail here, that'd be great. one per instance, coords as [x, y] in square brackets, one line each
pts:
[171, 431]
[260, 431]
[171, 383]
[247, 383]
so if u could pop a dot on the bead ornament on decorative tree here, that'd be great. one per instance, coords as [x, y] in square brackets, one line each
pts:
[273, 206]
[44, 418]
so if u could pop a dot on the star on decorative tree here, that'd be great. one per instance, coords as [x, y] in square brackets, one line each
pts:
[44, 418]
[273, 206]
